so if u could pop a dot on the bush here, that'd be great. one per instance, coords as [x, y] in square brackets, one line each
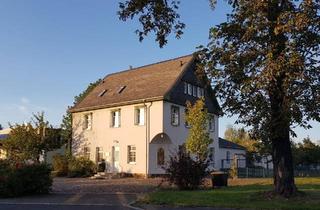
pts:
[185, 172]
[80, 167]
[60, 165]
[23, 179]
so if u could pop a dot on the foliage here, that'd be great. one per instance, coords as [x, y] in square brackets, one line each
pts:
[185, 172]
[80, 167]
[66, 125]
[60, 165]
[233, 172]
[159, 17]
[28, 141]
[255, 148]
[264, 63]
[306, 153]
[22, 179]
[198, 138]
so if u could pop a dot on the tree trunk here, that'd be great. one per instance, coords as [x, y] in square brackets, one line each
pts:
[281, 148]
[283, 167]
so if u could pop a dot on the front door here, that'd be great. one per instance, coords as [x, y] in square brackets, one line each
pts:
[116, 158]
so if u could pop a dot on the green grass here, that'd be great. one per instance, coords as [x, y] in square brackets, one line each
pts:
[241, 194]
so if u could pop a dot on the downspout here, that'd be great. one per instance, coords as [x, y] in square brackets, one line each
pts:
[147, 134]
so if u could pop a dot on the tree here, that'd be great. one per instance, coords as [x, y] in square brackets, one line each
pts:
[264, 64]
[1, 127]
[198, 138]
[254, 147]
[306, 153]
[29, 141]
[66, 125]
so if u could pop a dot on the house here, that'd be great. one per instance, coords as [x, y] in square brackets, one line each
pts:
[228, 151]
[3, 135]
[135, 119]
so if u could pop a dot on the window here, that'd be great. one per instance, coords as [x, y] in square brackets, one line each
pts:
[189, 89]
[99, 154]
[185, 88]
[131, 154]
[121, 89]
[139, 116]
[228, 156]
[194, 92]
[86, 152]
[185, 118]
[102, 92]
[211, 154]
[175, 115]
[198, 92]
[160, 157]
[201, 92]
[88, 121]
[211, 124]
[115, 118]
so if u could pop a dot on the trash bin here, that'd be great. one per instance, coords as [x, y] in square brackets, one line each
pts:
[219, 179]
[102, 166]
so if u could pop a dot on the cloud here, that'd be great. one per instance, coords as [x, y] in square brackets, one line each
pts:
[25, 100]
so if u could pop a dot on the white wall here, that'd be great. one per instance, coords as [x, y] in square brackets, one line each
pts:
[102, 135]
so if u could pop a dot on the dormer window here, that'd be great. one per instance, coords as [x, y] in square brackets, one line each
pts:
[121, 89]
[102, 92]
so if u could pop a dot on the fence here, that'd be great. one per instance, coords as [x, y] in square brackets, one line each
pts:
[265, 173]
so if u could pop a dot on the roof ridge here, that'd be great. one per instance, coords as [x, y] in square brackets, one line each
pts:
[151, 64]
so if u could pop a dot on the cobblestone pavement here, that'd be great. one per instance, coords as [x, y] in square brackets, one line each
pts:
[86, 185]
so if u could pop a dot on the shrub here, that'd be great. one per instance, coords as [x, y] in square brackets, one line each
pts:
[23, 179]
[185, 172]
[60, 165]
[80, 167]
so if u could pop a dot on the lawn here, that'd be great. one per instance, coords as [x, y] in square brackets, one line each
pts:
[242, 193]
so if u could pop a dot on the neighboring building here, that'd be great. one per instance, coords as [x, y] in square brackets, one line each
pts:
[3, 135]
[228, 151]
[135, 119]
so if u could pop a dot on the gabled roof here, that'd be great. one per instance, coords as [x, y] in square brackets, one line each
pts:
[147, 83]
[223, 143]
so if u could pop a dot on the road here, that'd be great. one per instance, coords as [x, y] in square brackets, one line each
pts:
[115, 201]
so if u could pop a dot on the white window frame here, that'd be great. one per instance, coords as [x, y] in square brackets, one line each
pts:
[211, 123]
[189, 89]
[86, 152]
[116, 118]
[139, 115]
[194, 91]
[132, 154]
[228, 156]
[88, 117]
[175, 115]
[185, 88]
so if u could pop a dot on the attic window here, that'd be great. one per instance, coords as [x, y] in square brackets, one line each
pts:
[102, 92]
[121, 89]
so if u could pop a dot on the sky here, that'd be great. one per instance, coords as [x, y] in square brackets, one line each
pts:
[51, 50]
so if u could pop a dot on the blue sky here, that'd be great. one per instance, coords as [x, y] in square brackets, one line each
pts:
[51, 50]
